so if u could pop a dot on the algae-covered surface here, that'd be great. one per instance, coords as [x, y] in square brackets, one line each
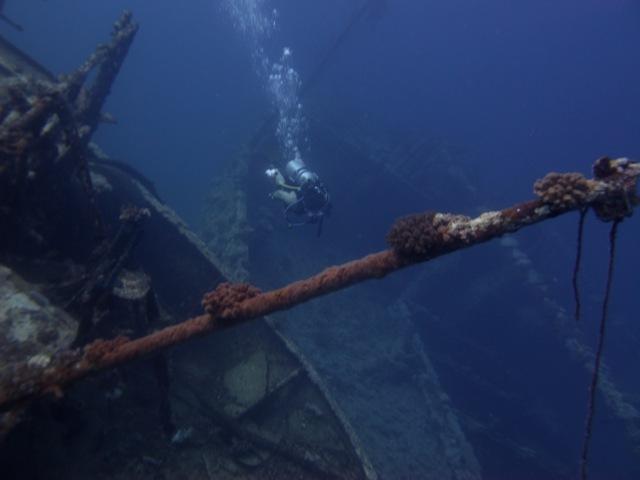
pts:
[31, 327]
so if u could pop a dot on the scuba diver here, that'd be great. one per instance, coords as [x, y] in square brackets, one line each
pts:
[306, 198]
[7, 19]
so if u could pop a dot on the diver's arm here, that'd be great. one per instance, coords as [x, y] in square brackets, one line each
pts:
[278, 178]
[288, 197]
[281, 182]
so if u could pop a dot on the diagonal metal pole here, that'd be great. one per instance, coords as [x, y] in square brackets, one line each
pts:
[612, 194]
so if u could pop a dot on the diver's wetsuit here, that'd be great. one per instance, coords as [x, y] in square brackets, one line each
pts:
[307, 198]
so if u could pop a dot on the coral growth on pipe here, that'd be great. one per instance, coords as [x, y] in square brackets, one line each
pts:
[612, 194]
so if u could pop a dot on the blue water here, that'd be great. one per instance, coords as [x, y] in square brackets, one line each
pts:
[523, 87]
[531, 87]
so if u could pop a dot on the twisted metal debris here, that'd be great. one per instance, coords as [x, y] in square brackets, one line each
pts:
[45, 127]
[611, 193]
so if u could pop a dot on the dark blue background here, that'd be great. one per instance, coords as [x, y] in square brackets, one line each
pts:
[530, 86]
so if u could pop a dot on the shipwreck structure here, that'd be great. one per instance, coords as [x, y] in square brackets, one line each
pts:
[98, 277]
[82, 252]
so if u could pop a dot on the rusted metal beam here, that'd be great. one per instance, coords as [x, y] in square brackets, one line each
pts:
[612, 193]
